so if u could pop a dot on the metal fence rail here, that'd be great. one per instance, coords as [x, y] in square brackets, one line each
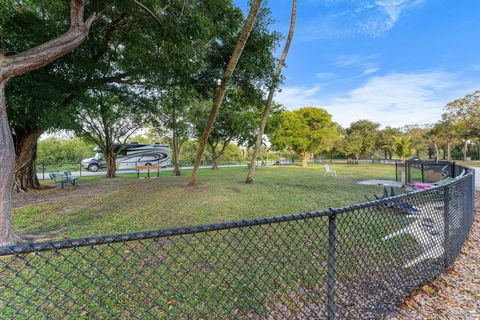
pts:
[354, 262]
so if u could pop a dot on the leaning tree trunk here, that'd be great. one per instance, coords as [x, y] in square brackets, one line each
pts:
[16, 65]
[232, 63]
[26, 153]
[110, 157]
[268, 104]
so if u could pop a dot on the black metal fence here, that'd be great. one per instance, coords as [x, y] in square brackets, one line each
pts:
[355, 262]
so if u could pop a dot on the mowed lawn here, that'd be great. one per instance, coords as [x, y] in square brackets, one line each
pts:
[275, 269]
[99, 206]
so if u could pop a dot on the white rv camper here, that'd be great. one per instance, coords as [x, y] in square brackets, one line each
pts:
[131, 155]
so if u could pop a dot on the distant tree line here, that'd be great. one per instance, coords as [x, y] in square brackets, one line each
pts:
[303, 134]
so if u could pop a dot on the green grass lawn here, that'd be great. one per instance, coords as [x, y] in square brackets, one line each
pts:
[276, 269]
[473, 163]
[125, 204]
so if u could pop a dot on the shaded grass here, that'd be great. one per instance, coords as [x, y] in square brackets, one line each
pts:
[125, 204]
[277, 269]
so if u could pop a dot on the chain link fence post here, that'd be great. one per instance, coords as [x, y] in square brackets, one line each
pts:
[332, 248]
[423, 172]
[446, 243]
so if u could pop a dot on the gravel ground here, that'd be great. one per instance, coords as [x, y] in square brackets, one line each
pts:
[454, 294]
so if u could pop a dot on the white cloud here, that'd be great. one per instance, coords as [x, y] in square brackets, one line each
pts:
[344, 18]
[295, 97]
[396, 99]
[393, 8]
[355, 60]
[345, 60]
[325, 75]
[370, 70]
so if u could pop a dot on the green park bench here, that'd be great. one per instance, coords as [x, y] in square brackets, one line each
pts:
[63, 178]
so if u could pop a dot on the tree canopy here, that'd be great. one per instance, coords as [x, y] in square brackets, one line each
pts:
[307, 131]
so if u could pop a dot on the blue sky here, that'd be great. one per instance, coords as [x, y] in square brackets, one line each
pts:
[396, 62]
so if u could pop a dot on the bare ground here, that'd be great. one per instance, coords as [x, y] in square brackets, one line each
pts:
[454, 294]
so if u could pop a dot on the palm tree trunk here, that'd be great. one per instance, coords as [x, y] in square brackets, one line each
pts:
[237, 52]
[268, 104]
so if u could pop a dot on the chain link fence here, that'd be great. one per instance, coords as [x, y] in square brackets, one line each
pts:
[354, 262]
[43, 170]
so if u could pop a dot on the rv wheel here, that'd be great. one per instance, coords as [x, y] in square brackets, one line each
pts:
[93, 167]
[148, 164]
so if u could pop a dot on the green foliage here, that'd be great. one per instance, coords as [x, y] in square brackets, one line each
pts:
[53, 151]
[385, 140]
[111, 117]
[464, 115]
[307, 131]
[402, 147]
[361, 138]
[237, 120]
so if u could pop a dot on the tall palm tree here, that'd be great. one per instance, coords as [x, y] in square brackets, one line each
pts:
[402, 147]
[232, 63]
[268, 104]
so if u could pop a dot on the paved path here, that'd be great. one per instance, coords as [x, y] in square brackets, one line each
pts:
[477, 177]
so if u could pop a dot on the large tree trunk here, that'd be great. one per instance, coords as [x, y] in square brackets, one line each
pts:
[214, 163]
[26, 152]
[111, 159]
[268, 104]
[215, 156]
[7, 167]
[465, 150]
[16, 65]
[305, 157]
[237, 52]
[176, 165]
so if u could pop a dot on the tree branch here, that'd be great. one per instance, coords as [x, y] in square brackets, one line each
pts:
[151, 13]
[50, 51]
